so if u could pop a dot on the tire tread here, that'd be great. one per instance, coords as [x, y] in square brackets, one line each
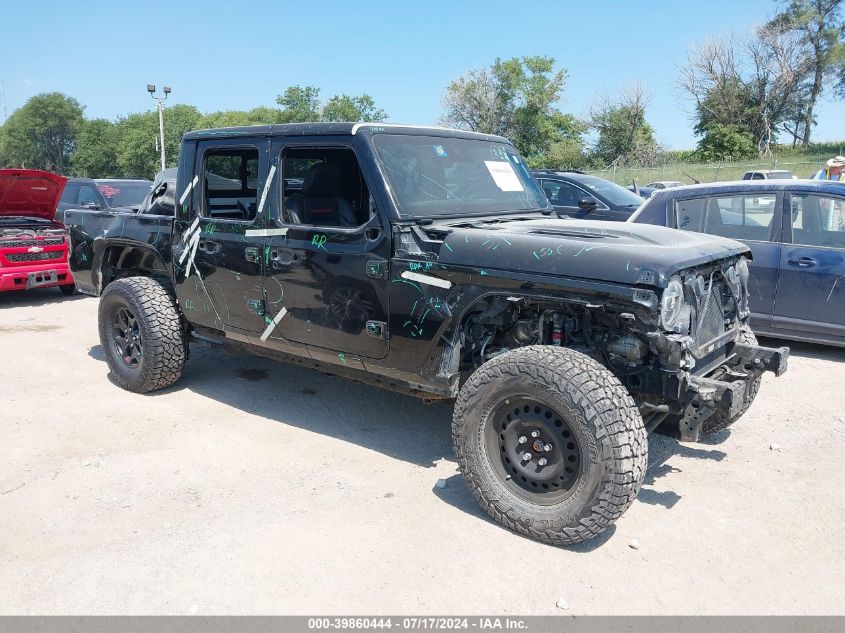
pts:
[620, 434]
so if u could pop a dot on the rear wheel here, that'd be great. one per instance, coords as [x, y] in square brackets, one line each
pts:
[550, 443]
[141, 334]
[68, 289]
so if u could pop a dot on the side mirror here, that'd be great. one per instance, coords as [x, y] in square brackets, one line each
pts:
[91, 205]
[588, 203]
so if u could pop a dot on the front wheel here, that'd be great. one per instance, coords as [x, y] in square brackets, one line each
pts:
[141, 334]
[550, 443]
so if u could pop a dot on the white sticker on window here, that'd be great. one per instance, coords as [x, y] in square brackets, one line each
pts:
[504, 175]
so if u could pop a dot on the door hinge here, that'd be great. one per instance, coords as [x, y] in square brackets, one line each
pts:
[377, 329]
[378, 269]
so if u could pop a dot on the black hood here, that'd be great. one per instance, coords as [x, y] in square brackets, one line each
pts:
[616, 252]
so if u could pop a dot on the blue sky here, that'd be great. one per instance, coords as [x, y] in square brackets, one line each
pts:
[237, 55]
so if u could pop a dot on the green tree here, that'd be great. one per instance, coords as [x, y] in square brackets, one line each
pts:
[137, 152]
[726, 142]
[346, 108]
[96, 151]
[42, 134]
[819, 25]
[624, 135]
[751, 84]
[516, 98]
[232, 118]
[300, 104]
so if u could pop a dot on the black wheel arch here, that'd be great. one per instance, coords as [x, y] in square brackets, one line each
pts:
[116, 259]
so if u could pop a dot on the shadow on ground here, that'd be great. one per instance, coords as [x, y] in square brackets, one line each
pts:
[401, 427]
[36, 297]
[807, 350]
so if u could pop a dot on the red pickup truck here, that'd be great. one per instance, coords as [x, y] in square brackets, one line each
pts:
[33, 247]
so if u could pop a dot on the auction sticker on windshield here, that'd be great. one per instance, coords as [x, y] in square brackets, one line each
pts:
[504, 175]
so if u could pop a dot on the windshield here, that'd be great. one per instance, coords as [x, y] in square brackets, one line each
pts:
[435, 176]
[611, 191]
[776, 175]
[124, 194]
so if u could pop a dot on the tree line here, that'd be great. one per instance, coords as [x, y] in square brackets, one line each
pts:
[747, 93]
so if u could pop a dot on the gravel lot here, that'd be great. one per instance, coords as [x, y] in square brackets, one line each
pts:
[256, 487]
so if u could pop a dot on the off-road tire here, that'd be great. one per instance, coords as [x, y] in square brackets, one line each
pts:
[604, 420]
[719, 420]
[163, 346]
[68, 289]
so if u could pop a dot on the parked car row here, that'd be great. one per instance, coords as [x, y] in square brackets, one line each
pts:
[34, 245]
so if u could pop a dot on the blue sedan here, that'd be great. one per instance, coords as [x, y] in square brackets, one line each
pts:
[796, 232]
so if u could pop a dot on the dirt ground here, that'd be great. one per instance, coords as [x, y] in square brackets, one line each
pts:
[256, 487]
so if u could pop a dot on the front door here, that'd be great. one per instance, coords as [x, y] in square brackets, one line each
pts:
[217, 258]
[811, 291]
[327, 254]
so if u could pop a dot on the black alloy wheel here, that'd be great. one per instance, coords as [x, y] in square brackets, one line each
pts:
[533, 450]
[126, 337]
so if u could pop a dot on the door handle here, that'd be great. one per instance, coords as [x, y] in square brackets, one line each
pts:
[251, 254]
[802, 262]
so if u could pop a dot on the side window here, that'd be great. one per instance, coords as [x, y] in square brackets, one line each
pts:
[565, 195]
[88, 195]
[690, 214]
[551, 189]
[323, 186]
[758, 177]
[230, 180]
[741, 217]
[818, 221]
[71, 194]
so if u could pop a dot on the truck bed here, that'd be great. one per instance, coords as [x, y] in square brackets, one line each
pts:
[99, 239]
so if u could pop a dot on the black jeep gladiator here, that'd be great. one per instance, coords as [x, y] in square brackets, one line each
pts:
[424, 260]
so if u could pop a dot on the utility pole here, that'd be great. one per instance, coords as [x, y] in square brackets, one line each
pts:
[3, 99]
[160, 103]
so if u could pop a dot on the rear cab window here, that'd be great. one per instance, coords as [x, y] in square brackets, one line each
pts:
[230, 184]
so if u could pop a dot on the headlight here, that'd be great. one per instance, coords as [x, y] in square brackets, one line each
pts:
[672, 304]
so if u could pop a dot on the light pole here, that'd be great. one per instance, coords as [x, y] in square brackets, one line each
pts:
[160, 101]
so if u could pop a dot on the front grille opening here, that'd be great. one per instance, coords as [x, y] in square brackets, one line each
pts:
[18, 258]
[50, 241]
[710, 302]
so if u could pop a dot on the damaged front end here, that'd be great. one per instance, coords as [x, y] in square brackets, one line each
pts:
[708, 358]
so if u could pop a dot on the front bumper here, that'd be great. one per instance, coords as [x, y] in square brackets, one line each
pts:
[724, 389]
[35, 276]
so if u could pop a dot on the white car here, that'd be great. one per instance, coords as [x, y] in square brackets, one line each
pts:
[770, 174]
[665, 184]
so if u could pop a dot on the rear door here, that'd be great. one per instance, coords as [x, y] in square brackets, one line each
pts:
[753, 220]
[811, 292]
[217, 258]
